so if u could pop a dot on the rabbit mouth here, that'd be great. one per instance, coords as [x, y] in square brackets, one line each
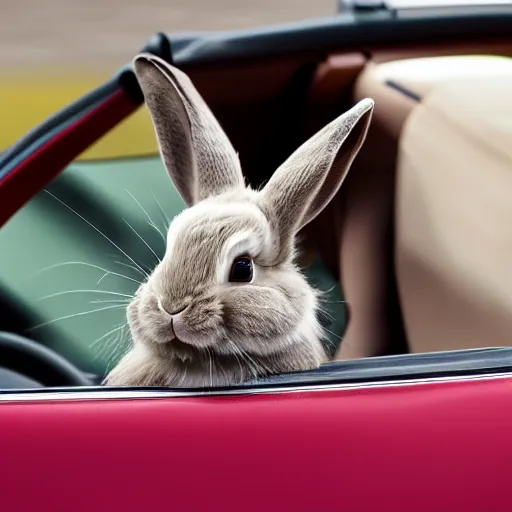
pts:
[191, 353]
[176, 343]
[185, 351]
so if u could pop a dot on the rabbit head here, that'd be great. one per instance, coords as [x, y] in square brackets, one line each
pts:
[227, 303]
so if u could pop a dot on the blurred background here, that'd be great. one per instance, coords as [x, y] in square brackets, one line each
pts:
[100, 33]
[54, 51]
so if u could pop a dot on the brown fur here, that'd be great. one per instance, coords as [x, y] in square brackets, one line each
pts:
[190, 326]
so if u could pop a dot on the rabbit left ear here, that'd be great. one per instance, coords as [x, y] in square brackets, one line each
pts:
[196, 152]
[305, 183]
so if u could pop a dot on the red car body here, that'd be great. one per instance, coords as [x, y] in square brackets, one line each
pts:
[422, 446]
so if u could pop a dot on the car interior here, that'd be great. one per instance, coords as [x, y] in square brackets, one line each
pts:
[413, 254]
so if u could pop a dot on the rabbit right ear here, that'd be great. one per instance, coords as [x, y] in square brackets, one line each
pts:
[305, 183]
[197, 153]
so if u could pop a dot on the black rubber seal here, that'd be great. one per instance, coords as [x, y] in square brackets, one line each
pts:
[373, 370]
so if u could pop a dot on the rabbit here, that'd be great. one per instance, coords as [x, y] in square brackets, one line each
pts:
[227, 304]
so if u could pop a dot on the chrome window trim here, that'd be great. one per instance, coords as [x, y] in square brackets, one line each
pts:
[129, 394]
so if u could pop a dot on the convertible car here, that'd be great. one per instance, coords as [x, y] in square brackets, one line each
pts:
[414, 411]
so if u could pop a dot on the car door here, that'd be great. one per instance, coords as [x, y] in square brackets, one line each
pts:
[402, 444]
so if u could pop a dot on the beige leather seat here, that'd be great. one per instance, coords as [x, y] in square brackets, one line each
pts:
[443, 127]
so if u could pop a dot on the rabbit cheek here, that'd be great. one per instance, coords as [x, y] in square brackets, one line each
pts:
[135, 320]
[147, 323]
[259, 314]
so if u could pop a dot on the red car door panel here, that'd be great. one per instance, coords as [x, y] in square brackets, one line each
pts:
[420, 446]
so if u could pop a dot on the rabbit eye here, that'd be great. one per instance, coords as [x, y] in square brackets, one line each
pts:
[241, 270]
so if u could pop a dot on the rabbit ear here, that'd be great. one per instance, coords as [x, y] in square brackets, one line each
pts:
[197, 153]
[305, 183]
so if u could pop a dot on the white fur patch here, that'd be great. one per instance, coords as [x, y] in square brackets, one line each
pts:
[208, 210]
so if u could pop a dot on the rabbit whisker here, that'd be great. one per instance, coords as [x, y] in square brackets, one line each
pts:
[66, 292]
[142, 239]
[97, 267]
[115, 348]
[167, 220]
[121, 301]
[116, 329]
[54, 320]
[182, 380]
[236, 352]
[326, 292]
[330, 332]
[94, 227]
[119, 349]
[102, 277]
[151, 223]
[239, 363]
[254, 367]
[326, 313]
[109, 273]
[145, 274]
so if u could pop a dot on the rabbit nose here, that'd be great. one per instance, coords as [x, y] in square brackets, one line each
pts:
[178, 311]
[172, 312]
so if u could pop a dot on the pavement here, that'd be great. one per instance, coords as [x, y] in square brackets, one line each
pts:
[96, 34]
